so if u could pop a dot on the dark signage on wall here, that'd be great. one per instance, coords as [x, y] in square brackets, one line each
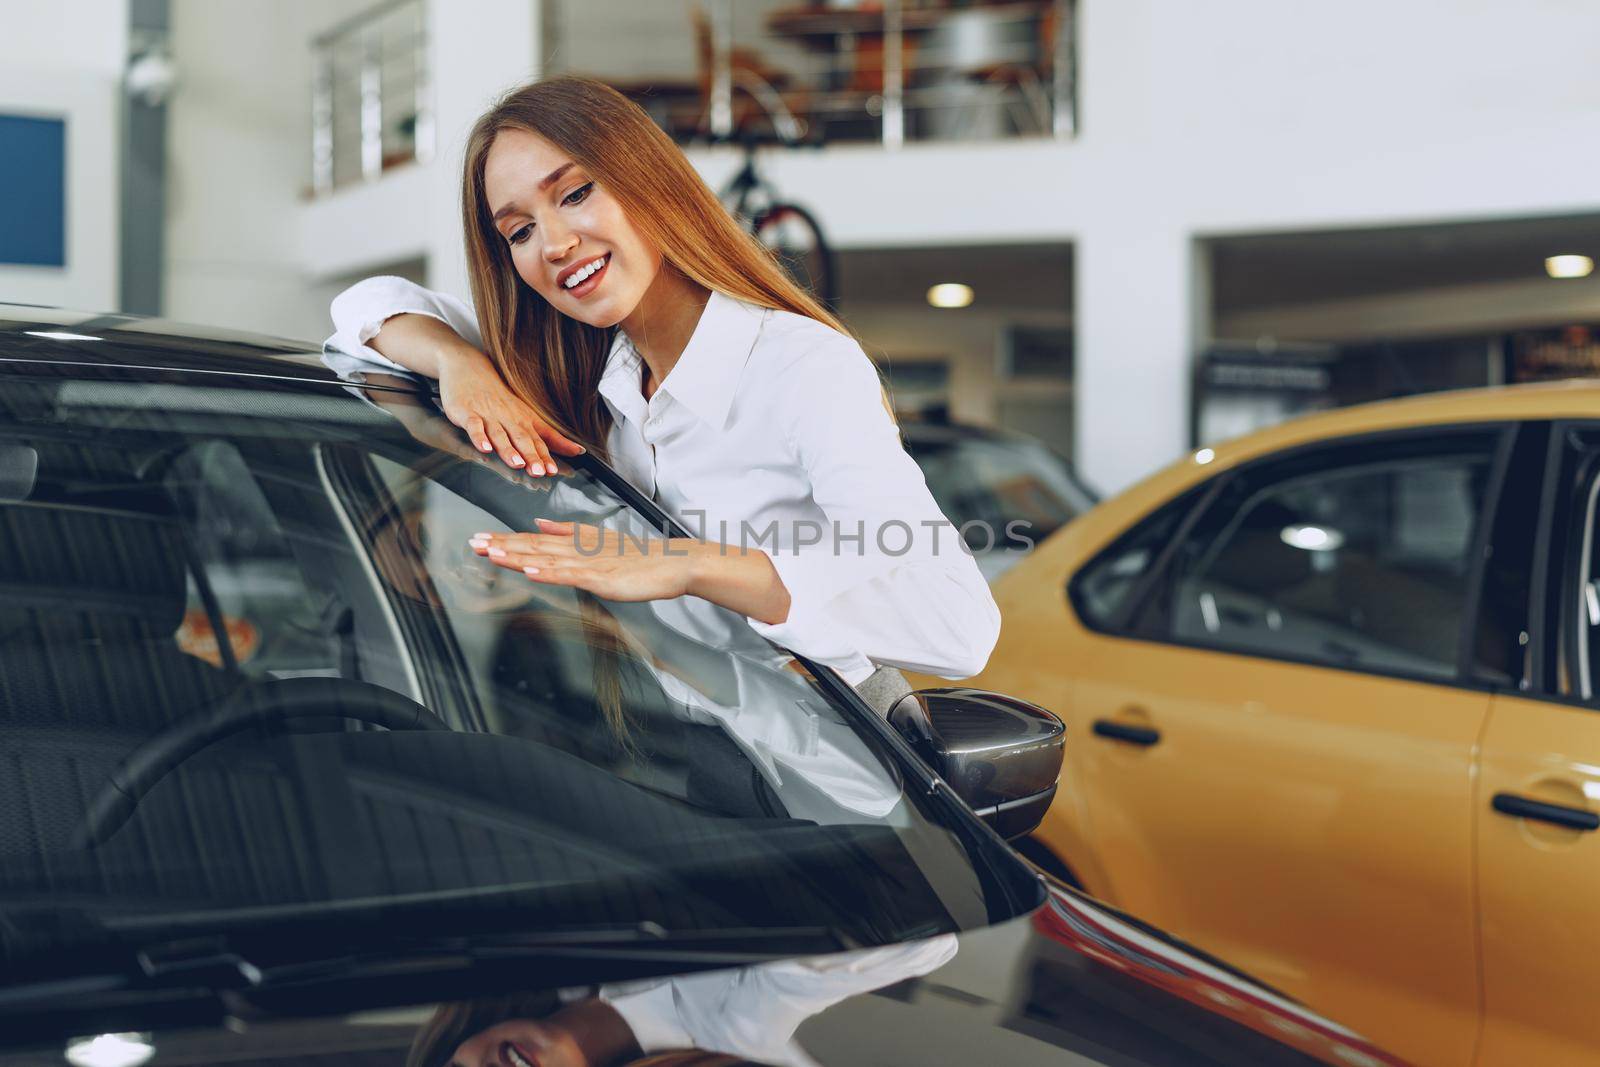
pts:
[1036, 352]
[1271, 377]
[1547, 355]
[1303, 369]
[33, 191]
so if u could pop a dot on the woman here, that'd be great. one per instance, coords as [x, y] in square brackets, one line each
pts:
[621, 309]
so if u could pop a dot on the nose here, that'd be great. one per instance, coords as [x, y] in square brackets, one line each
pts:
[558, 243]
[473, 1052]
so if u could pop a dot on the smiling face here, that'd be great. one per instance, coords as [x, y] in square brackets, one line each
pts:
[561, 227]
[521, 1043]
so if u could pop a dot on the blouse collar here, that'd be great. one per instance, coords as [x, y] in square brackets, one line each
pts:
[706, 376]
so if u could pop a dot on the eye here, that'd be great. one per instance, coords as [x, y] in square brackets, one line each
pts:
[520, 235]
[580, 194]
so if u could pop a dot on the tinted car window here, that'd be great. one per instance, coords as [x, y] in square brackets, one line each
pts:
[244, 574]
[1572, 606]
[250, 673]
[1103, 591]
[1585, 597]
[1349, 555]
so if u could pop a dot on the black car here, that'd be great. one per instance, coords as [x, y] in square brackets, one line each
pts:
[1005, 491]
[284, 767]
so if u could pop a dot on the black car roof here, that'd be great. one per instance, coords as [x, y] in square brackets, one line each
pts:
[57, 336]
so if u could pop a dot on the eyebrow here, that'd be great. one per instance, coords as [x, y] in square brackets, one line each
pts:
[549, 180]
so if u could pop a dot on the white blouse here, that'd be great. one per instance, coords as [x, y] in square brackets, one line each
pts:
[771, 432]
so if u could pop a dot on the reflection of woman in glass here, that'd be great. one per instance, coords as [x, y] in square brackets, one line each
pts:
[709, 1019]
[620, 307]
[533, 1030]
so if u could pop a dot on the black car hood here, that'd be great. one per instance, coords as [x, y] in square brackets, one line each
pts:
[1073, 983]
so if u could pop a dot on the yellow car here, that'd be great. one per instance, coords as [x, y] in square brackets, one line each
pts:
[1332, 696]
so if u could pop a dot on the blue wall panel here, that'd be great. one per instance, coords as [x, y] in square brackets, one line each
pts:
[33, 191]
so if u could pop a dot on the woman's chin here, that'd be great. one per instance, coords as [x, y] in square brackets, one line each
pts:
[602, 315]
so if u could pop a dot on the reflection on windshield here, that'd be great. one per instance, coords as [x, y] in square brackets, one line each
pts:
[699, 664]
[254, 675]
[749, 1012]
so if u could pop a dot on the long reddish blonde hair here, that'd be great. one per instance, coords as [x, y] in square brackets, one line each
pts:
[550, 360]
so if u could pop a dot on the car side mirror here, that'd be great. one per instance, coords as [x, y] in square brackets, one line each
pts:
[1000, 754]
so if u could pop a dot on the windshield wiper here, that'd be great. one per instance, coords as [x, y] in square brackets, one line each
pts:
[196, 959]
[222, 964]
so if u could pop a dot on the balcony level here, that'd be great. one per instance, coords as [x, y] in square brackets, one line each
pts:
[904, 89]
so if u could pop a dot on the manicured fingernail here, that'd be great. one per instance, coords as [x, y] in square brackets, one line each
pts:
[497, 553]
[530, 570]
[482, 536]
[517, 461]
[483, 446]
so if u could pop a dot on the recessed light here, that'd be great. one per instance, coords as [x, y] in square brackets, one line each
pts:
[1569, 266]
[61, 335]
[950, 295]
[110, 1050]
[1312, 538]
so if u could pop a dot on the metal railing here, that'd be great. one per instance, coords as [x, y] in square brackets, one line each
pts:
[371, 101]
[889, 72]
[893, 72]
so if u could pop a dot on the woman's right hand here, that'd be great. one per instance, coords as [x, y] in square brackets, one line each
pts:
[477, 399]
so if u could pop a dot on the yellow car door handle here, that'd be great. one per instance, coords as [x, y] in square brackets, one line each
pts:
[1524, 808]
[1121, 731]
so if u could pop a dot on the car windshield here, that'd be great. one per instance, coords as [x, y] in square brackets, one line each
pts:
[253, 675]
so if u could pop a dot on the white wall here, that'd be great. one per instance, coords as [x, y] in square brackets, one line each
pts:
[64, 60]
[471, 69]
[239, 165]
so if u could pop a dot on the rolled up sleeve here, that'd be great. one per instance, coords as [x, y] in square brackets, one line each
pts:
[891, 579]
[754, 1011]
[361, 310]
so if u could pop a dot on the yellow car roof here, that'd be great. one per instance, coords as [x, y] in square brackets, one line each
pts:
[1579, 398]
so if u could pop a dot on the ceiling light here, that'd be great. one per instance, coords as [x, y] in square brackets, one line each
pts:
[1568, 266]
[950, 295]
[1312, 538]
[110, 1050]
[61, 335]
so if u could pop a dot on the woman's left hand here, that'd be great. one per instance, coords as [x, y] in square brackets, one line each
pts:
[595, 559]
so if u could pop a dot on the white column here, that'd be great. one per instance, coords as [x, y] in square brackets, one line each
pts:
[1138, 314]
[478, 52]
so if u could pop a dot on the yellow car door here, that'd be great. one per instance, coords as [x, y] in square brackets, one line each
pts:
[1276, 730]
[1538, 806]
